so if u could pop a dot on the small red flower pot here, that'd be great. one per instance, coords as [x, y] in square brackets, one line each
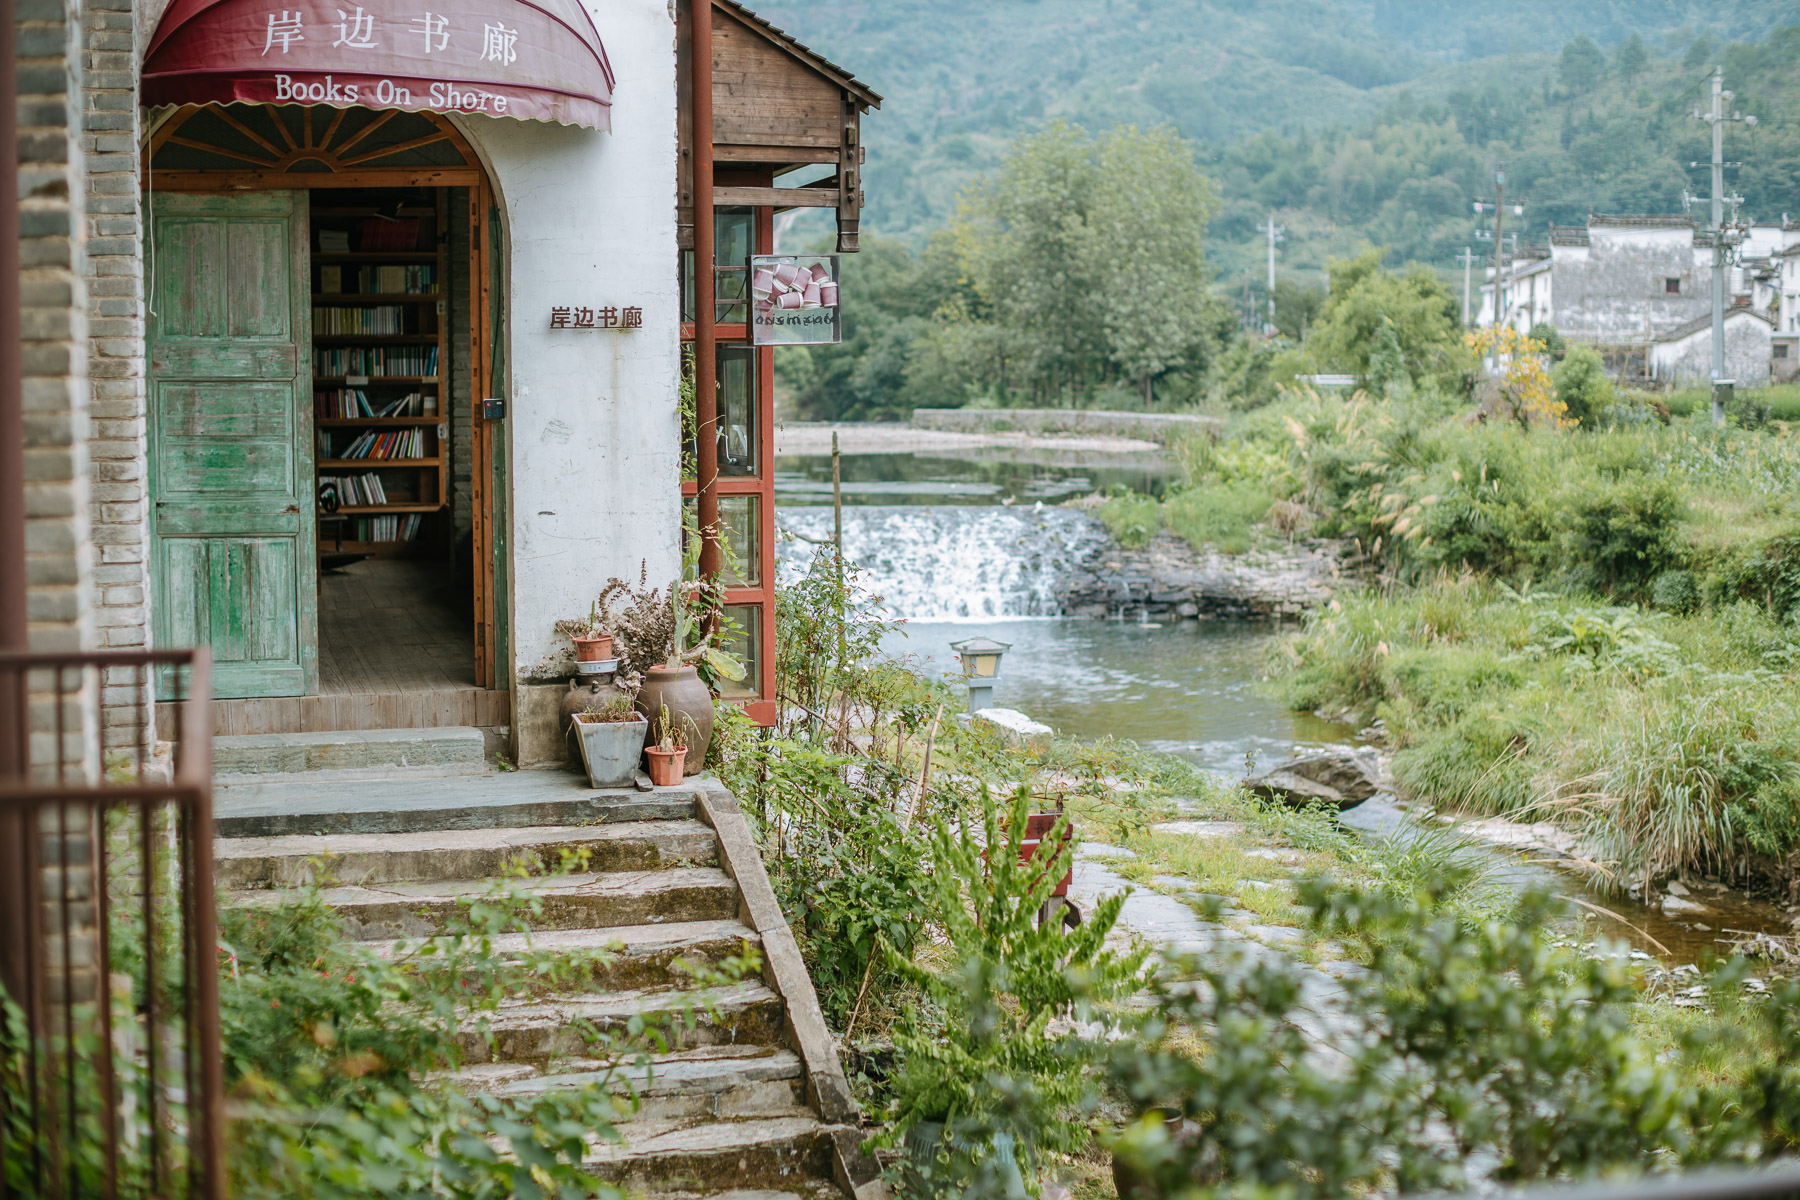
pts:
[593, 649]
[665, 766]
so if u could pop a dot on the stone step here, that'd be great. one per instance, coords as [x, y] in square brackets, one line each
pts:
[815, 1190]
[538, 1031]
[453, 750]
[708, 1082]
[298, 860]
[636, 956]
[774, 1153]
[587, 901]
[501, 800]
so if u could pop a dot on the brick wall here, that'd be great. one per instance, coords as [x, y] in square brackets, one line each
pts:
[115, 360]
[58, 574]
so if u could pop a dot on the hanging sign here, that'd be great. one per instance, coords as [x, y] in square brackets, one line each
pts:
[794, 300]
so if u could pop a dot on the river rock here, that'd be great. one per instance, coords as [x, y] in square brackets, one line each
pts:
[1343, 778]
[1015, 726]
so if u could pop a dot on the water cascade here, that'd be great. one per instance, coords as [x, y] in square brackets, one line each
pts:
[954, 563]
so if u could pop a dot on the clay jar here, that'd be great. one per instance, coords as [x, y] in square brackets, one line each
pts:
[690, 709]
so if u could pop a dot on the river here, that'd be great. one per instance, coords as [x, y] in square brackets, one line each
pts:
[972, 544]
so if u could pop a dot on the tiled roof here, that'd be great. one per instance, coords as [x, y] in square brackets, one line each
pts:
[1568, 235]
[1642, 221]
[1689, 328]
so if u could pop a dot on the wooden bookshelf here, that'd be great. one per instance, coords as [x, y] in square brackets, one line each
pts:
[416, 487]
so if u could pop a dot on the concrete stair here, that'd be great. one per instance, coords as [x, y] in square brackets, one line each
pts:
[744, 1101]
[353, 754]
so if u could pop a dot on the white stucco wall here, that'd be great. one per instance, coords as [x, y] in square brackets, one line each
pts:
[592, 424]
[1688, 360]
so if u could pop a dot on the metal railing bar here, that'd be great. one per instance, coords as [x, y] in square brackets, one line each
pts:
[109, 1094]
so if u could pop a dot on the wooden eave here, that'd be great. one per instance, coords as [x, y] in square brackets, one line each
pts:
[866, 97]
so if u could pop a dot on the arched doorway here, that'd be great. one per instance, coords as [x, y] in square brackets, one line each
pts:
[325, 302]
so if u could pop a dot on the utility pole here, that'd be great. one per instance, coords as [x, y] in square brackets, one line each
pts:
[1275, 233]
[1498, 236]
[1725, 237]
[1467, 259]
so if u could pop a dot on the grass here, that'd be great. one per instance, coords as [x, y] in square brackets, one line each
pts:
[1669, 742]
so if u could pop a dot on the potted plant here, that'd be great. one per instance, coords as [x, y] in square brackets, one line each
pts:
[593, 634]
[665, 639]
[668, 756]
[611, 733]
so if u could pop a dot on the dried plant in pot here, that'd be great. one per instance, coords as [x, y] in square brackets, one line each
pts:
[593, 634]
[611, 734]
[667, 757]
[665, 639]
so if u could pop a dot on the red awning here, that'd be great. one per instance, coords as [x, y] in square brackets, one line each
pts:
[532, 59]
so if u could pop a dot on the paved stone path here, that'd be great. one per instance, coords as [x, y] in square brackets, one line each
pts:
[1172, 927]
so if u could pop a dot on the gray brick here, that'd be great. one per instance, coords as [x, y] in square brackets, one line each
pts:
[133, 636]
[122, 552]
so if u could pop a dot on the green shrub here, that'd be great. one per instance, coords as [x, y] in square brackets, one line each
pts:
[1219, 515]
[1132, 519]
[1621, 533]
[1496, 1046]
[1675, 591]
[1583, 385]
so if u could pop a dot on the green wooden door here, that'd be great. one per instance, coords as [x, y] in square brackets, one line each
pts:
[231, 438]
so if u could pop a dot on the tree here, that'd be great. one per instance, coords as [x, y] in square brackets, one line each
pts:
[1411, 312]
[1630, 59]
[1582, 64]
[1146, 234]
[1089, 254]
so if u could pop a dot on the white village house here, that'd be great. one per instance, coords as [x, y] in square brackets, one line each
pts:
[1639, 289]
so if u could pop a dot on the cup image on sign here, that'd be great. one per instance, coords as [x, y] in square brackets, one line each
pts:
[793, 284]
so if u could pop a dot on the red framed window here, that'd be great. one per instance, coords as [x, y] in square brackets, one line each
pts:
[746, 432]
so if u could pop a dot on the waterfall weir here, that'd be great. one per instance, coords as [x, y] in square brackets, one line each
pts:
[954, 563]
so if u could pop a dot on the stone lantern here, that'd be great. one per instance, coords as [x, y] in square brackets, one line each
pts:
[981, 668]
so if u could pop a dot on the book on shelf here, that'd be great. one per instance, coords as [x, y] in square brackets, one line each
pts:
[375, 361]
[390, 233]
[334, 241]
[343, 404]
[377, 444]
[393, 279]
[331, 279]
[354, 491]
[398, 528]
[378, 319]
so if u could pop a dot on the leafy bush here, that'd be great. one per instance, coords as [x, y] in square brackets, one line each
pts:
[339, 1058]
[1132, 519]
[1675, 591]
[979, 1059]
[1496, 1048]
[1582, 384]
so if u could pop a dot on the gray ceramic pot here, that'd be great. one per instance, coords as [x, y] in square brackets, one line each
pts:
[610, 750]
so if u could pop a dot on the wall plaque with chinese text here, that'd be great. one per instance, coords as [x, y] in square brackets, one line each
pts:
[596, 316]
[794, 300]
[537, 61]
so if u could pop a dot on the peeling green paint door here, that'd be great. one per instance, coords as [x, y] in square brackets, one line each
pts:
[231, 438]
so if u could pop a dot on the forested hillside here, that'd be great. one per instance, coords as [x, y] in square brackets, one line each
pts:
[1359, 122]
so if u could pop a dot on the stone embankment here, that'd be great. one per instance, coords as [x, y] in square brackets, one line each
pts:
[1161, 428]
[1169, 579]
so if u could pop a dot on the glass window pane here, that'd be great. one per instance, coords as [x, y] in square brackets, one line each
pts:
[737, 411]
[739, 528]
[744, 643]
[738, 531]
[687, 285]
[733, 236]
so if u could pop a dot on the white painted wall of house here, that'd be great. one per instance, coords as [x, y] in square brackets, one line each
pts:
[592, 425]
[1688, 360]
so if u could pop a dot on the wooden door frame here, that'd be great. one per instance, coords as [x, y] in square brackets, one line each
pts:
[482, 196]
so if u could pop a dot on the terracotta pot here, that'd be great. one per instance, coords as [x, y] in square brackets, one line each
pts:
[593, 649]
[690, 709]
[665, 766]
